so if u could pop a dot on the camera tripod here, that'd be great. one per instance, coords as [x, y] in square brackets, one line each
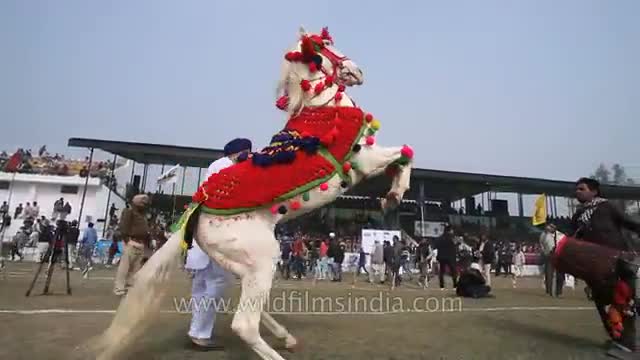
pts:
[51, 257]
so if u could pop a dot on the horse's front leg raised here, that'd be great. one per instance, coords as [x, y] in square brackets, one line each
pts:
[374, 160]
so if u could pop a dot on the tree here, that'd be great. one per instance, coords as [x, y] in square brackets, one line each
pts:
[619, 174]
[602, 174]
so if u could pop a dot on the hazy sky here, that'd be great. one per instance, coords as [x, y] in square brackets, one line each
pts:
[530, 88]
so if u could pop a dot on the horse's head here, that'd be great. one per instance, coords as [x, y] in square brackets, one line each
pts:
[315, 72]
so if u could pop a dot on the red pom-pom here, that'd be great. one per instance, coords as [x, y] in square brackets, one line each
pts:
[328, 81]
[305, 85]
[274, 209]
[338, 96]
[324, 186]
[325, 34]
[295, 205]
[282, 102]
[341, 88]
[313, 67]
[293, 56]
[346, 167]
[368, 117]
[407, 152]
[370, 140]
[319, 88]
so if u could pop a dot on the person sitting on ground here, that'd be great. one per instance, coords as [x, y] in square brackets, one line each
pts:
[472, 284]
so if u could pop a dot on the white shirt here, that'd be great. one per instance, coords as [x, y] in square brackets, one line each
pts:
[197, 259]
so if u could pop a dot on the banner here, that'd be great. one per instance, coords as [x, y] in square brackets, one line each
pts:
[169, 177]
[370, 236]
[540, 212]
[428, 228]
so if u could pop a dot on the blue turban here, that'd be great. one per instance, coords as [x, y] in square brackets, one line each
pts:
[237, 145]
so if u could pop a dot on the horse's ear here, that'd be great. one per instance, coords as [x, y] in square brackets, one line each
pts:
[302, 31]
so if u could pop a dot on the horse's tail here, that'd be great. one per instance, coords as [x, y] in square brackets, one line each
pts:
[141, 302]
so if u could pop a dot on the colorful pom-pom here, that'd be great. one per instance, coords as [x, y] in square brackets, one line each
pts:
[341, 88]
[338, 96]
[328, 81]
[375, 125]
[295, 205]
[313, 67]
[370, 140]
[319, 88]
[346, 167]
[274, 209]
[306, 196]
[282, 209]
[305, 85]
[368, 117]
[293, 56]
[407, 152]
[282, 102]
[324, 186]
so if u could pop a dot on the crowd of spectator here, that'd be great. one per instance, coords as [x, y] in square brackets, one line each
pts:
[43, 163]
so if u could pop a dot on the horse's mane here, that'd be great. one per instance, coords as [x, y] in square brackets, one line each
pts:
[290, 76]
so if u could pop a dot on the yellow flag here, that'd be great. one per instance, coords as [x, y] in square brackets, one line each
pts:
[540, 213]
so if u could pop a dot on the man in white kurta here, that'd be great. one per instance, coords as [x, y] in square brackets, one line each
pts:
[209, 279]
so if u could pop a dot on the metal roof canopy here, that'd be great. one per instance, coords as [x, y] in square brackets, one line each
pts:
[153, 154]
[438, 184]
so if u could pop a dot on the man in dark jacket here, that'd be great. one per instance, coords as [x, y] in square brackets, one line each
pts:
[447, 256]
[387, 252]
[598, 221]
[338, 259]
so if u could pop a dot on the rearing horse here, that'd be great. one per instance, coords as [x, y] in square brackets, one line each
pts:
[327, 147]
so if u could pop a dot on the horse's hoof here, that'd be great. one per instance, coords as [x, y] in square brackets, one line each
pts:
[296, 346]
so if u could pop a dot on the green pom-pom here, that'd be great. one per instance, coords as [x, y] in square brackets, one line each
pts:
[306, 196]
[403, 161]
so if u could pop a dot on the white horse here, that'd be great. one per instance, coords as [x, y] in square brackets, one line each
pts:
[245, 243]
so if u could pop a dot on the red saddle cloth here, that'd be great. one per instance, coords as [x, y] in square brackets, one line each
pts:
[245, 186]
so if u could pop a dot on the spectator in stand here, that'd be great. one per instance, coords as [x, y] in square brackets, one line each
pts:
[18, 211]
[27, 211]
[112, 210]
[35, 210]
[17, 243]
[57, 208]
[6, 222]
[66, 210]
[4, 209]
[447, 256]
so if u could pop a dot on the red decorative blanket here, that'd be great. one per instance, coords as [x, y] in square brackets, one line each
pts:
[246, 186]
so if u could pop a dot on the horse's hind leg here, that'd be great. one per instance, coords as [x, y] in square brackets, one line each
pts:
[279, 331]
[256, 284]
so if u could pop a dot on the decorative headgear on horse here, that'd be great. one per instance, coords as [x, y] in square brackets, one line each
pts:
[236, 146]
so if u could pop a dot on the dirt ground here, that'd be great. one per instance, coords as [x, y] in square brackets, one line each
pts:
[519, 323]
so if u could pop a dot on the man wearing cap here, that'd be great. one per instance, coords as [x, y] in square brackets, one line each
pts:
[209, 279]
[134, 230]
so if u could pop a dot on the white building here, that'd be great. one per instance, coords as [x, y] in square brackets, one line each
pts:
[18, 189]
